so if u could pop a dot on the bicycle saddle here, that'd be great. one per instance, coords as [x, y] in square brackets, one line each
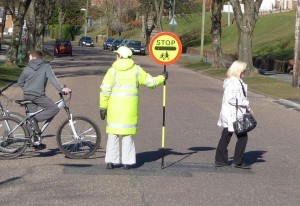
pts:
[23, 102]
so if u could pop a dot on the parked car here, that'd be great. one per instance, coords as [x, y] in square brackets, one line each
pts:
[107, 43]
[62, 47]
[123, 43]
[116, 44]
[136, 47]
[86, 41]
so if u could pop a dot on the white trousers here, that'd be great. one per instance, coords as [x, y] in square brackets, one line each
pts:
[113, 154]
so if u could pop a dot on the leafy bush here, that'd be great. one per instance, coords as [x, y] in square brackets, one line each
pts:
[67, 32]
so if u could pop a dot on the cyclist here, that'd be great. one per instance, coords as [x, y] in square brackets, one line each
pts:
[33, 81]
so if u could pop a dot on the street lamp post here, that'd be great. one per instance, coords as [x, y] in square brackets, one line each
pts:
[85, 21]
[228, 13]
[86, 10]
[173, 22]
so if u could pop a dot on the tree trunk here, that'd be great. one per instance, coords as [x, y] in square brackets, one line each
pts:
[31, 26]
[246, 22]
[18, 20]
[159, 6]
[41, 17]
[296, 50]
[245, 46]
[148, 28]
[216, 33]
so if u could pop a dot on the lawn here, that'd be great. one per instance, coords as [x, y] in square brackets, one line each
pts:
[257, 83]
[8, 74]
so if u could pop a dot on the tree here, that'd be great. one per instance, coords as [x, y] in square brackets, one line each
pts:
[68, 12]
[108, 8]
[216, 33]
[17, 9]
[39, 13]
[147, 7]
[296, 50]
[245, 22]
[158, 7]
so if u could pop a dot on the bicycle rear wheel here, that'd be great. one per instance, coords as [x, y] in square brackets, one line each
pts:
[16, 115]
[85, 144]
[13, 138]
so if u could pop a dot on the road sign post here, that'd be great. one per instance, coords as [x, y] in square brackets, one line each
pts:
[165, 48]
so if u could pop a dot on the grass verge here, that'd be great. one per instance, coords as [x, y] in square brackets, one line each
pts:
[8, 74]
[257, 83]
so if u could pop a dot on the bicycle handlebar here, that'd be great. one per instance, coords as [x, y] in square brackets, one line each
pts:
[8, 85]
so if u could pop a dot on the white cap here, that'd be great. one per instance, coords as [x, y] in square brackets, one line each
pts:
[124, 52]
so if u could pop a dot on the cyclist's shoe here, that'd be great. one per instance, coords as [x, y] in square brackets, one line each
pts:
[35, 126]
[36, 139]
[6, 143]
[41, 146]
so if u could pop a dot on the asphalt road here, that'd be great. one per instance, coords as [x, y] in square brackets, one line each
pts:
[192, 108]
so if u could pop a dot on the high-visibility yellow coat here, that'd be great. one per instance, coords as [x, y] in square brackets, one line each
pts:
[120, 95]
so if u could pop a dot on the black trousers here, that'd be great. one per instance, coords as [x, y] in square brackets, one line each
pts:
[222, 151]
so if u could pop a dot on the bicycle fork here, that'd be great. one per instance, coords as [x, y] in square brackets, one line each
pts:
[71, 123]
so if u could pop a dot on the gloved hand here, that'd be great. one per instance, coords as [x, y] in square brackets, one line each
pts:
[165, 74]
[103, 113]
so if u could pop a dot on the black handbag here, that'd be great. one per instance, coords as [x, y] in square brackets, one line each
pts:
[244, 124]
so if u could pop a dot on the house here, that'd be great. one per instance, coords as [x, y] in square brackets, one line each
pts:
[285, 4]
[269, 6]
[6, 23]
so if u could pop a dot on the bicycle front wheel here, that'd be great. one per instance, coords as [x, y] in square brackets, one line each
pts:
[13, 137]
[78, 139]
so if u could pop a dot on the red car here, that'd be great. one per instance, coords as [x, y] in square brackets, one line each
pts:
[62, 47]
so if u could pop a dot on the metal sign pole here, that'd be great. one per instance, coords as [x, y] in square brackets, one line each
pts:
[163, 124]
[165, 48]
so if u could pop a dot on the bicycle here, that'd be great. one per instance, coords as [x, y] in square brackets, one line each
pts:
[77, 137]
[5, 101]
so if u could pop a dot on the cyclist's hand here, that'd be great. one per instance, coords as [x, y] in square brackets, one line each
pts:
[66, 90]
[103, 113]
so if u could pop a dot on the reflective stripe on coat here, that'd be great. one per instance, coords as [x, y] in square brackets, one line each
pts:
[120, 95]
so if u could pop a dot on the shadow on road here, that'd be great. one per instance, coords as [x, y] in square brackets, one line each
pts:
[254, 156]
[10, 180]
[79, 73]
[151, 156]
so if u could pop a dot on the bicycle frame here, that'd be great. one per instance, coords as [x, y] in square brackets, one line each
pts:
[61, 104]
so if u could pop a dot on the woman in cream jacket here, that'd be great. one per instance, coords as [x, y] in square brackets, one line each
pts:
[235, 91]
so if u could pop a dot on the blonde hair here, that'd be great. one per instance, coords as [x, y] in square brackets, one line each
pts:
[236, 69]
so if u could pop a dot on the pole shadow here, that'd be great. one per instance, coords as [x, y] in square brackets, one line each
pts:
[152, 156]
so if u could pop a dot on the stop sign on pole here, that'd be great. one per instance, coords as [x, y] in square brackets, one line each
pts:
[165, 48]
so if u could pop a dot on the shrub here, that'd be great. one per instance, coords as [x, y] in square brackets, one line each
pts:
[136, 23]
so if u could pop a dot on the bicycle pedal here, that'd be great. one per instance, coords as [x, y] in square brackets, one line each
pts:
[40, 146]
[36, 143]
